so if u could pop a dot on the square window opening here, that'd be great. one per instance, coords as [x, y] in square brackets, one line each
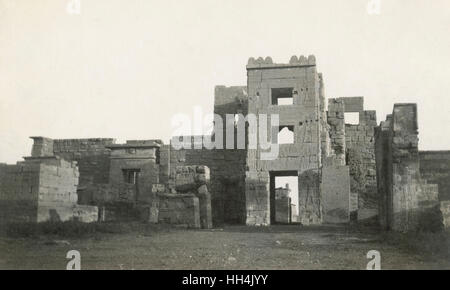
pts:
[131, 175]
[282, 96]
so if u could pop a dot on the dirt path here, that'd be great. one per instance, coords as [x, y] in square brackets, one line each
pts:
[236, 247]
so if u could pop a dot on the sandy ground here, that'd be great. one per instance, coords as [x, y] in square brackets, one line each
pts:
[231, 247]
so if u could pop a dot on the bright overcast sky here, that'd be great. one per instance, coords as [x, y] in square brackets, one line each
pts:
[122, 69]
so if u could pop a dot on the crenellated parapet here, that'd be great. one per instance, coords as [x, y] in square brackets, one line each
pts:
[260, 62]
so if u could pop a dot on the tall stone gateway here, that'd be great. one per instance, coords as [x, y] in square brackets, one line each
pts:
[294, 92]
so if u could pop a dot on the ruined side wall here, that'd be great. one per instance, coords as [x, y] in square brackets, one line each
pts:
[383, 157]
[40, 189]
[325, 127]
[354, 145]
[227, 179]
[91, 155]
[58, 180]
[435, 167]
[164, 163]
[335, 118]
[411, 203]
[360, 155]
[227, 166]
[19, 191]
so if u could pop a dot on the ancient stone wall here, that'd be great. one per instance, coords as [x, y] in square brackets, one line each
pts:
[360, 153]
[227, 166]
[257, 197]
[435, 167]
[354, 145]
[383, 158]
[19, 191]
[108, 193]
[227, 179]
[180, 209]
[41, 189]
[58, 180]
[163, 160]
[92, 158]
[335, 118]
[139, 157]
[283, 210]
[42, 147]
[408, 202]
[195, 180]
[335, 188]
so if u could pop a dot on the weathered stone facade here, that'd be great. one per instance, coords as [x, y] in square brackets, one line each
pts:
[354, 145]
[345, 171]
[407, 202]
[42, 188]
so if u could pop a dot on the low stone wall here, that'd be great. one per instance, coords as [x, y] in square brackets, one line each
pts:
[179, 209]
[81, 213]
[119, 212]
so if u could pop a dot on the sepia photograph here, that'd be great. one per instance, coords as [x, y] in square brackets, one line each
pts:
[224, 136]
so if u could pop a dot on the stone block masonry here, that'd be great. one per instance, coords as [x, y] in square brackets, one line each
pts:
[91, 155]
[354, 145]
[227, 166]
[407, 202]
[41, 189]
[19, 191]
[435, 167]
[445, 210]
[257, 198]
[180, 209]
[194, 180]
[345, 171]
[283, 210]
[265, 84]
[335, 189]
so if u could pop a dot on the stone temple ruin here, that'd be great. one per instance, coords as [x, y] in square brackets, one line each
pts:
[346, 172]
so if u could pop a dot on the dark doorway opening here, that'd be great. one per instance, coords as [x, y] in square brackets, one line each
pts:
[283, 197]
